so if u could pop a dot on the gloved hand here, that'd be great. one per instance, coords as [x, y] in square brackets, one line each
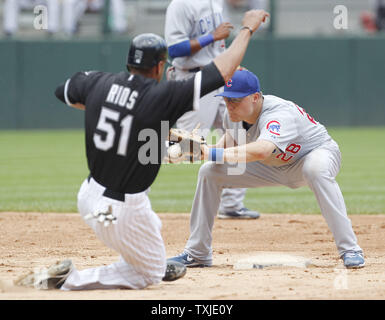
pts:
[184, 146]
[103, 215]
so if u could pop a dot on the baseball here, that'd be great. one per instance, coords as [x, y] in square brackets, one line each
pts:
[175, 151]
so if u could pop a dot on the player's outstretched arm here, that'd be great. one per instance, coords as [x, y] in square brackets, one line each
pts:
[228, 61]
[73, 91]
[61, 94]
[254, 151]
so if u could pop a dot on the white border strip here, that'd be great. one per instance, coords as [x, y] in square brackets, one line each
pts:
[65, 93]
[197, 90]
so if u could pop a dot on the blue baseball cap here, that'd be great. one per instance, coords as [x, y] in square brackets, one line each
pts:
[242, 84]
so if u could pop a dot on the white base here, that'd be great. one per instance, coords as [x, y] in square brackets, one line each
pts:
[262, 260]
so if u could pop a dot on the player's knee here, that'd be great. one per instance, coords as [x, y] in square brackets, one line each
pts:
[315, 169]
[210, 170]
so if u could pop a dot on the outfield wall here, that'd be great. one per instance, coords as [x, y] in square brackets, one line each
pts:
[340, 81]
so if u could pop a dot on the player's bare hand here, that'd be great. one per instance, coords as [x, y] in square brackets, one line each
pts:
[254, 18]
[223, 31]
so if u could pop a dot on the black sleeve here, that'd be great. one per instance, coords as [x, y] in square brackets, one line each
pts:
[59, 93]
[76, 89]
[211, 79]
[183, 96]
[169, 100]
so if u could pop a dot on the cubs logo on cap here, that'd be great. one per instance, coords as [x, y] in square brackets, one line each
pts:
[274, 127]
[243, 83]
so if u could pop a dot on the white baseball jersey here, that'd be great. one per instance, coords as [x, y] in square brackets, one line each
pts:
[190, 19]
[287, 125]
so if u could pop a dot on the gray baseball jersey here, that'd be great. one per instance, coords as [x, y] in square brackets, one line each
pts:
[190, 19]
[305, 156]
[287, 125]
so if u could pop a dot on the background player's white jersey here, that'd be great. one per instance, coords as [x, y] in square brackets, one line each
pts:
[288, 126]
[190, 19]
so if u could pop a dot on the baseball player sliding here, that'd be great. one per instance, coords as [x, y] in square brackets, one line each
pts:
[281, 144]
[120, 111]
[195, 33]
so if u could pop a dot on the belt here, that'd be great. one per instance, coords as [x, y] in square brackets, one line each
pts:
[110, 193]
[195, 69]
[191, 70]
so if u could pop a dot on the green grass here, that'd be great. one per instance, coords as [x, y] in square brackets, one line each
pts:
[42, 171]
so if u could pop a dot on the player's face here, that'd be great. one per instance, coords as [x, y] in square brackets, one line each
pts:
[239, 108]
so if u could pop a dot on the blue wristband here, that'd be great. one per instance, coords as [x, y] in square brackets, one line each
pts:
[206, 40]
[181, 49]
[216, 154]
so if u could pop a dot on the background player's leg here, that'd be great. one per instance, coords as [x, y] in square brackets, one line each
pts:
[210, 114]
[212, 179]
[119, 17]
[205, 116]
[53, 7]
[73, 10]
[231, 199]
[320, 167]
[11, 16]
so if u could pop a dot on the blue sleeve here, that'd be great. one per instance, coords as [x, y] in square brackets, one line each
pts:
[181, 49]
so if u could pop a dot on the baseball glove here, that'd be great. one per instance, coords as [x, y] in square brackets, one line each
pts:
[184, 146]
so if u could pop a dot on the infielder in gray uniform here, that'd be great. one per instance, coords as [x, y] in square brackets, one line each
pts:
[195, 31]
[279, 144]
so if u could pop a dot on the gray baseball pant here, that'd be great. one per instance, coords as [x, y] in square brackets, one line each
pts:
[317, 170]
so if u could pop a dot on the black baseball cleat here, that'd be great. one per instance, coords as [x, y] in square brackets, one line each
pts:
[46, 279]
[175, 270]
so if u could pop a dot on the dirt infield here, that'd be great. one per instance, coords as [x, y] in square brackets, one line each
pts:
[29, 240]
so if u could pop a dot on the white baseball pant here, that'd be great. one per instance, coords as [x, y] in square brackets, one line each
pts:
[136, 237]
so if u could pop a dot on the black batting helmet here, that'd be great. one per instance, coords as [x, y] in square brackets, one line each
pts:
[146, 51]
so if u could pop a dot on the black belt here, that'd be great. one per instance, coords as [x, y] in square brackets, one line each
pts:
[110, 193]
[195, 69]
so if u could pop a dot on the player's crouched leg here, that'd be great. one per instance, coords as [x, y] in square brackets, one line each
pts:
[319, 171]
[320, 168]
[213, 172]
